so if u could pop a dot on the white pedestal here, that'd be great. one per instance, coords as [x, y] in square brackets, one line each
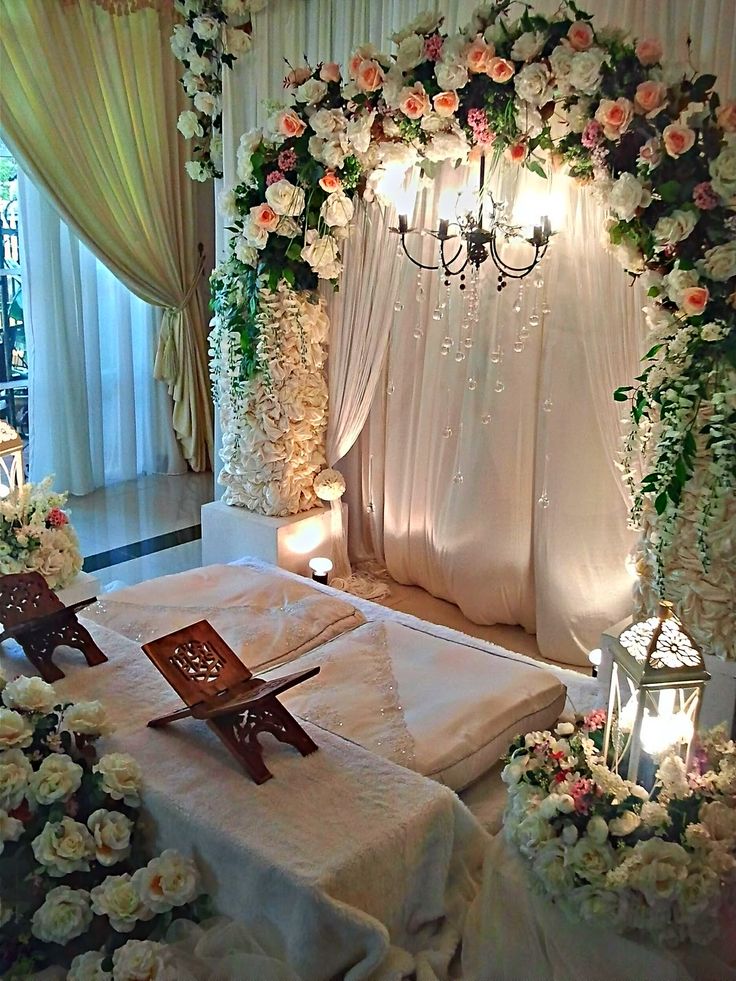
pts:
[82, 587]
[719, 697]
[230, 533]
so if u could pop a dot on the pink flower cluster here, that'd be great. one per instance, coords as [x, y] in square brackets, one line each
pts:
[594, 720]
[56, 518]
[274, 176]
[433, 47]
[581, 792]
[478, 122]
[287, 160]
[704, 196]
[592, 134]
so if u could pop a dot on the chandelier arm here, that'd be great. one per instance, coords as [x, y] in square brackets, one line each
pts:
[446, 263]
[516, 272]
[411, 258]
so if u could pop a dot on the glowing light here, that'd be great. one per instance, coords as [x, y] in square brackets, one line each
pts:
[4, 490]
[628, 713]
[321, 565]
[400, 188]
[661, 732]
[536, 200]
[595, 656]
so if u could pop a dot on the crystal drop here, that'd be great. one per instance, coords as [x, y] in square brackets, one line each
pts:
[472, 384]
[420, 292]
[444, 351]
[543, 500]
[437, 313]
[418, 333]
[447, 341]
[458, 478]
[468, 342]
[496, 355]
[447, 432]
[547, 405]
[499, 386]
[398, 306]
[534, 320]
[523, 334]
[539, 282]
[517, 307]
[546, 309]
[518, 346]
[459, 356]
[371, 507]
[485, 419]
[390, 388]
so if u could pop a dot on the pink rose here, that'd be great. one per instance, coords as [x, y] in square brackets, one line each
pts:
[694, 300]
[651, 153]
[614, 116]
[330, 182]
[678, 139]
[650, 97]
[580, 35]
[500, 70]
[56, 518]
[264, 216]
[330, 72]
[414, 101]
[289, 124]
[297, 76]
[369, 76]
[446, 103]
[649, 51]
[516, 153]
[726, 117]
[478, 55]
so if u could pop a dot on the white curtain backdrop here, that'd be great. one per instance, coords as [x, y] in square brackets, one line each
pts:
[96, 414]
[491, 483]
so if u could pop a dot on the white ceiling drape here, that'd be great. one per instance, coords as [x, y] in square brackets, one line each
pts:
[493, 483]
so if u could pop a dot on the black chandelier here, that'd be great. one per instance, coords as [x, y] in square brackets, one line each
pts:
[477, 242]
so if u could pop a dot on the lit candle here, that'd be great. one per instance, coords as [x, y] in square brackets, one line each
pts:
[444, 225]
[403, 224]
[546, 227]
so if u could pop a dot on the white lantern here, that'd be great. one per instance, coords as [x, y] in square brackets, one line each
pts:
[657, 681]
[11, 459]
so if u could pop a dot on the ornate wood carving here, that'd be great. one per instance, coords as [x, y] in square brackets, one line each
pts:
[218, 688]
[32, 614]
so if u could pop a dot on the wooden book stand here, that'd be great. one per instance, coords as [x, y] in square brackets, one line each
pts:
[33, 615]
[216, 686]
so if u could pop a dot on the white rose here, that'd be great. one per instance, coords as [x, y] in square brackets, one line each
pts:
[327, 122]
[206, 27]
[88, 967]
[597, 829]
[448, 145]
[533, 84]
[30, 695]
[64, 915]
[713, 332]
[180, 41]
[311, 92]
[578, 115]
[564, 729]
[590, 859]
[719, 263]
[627, 195]
[322, 254]
[201, 64]
[237, 42]
[56, 779]
[87, 718]
[333, 154]
[64, 846]
[671, 229]
[189, 125]
[560, 61]
[337, 209]
[654, 815]
[111, 831]
[410, 53]
[227, 205]
[249, 143]
[15, 772]
[569, 834]
[450, 76]
[399, 155]
[549, 866]
[675, 282]
[359, 132]
[624, 824]
[528, 46]
[660, 867]
[117, 898]
[720, 821]
[285, 198]
[142, 960]
[723, 175]
[287, 227]
[10, 829]
[15, 730]
[596, 904]
[423, 23]
[197, 171]
[121, 777]
[207, 103]
[585, 71]
[245, 252]
[255, 235]
[167, 881]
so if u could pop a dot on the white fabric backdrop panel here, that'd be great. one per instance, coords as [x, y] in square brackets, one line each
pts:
[486, 542]
[97, 415]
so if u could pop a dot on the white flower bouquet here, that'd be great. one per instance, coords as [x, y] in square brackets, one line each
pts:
[73, 883]
[36, 536]
[661, 865]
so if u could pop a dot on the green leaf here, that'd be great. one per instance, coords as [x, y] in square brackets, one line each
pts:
[654, 291]
[660, 503]
[652, 351]
[536, 168]
[669, 191]
[289, 276]
[294, 251]
[620, 394]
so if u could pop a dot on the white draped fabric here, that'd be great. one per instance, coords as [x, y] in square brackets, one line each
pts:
[520, 517]
[96, 414]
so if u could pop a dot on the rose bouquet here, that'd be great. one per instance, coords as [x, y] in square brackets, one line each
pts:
[660, 864]
[74, 883]
[36, 536]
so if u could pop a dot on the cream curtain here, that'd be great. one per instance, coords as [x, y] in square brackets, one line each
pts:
[492, 483]
[89, 104]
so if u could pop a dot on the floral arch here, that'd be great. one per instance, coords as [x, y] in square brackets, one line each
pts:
[660, 147]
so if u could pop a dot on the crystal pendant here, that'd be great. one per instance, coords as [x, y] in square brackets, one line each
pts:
[523, 333]
[437, 313]
[447, 341]
[459, 356]
[472, 384]
[458, 478]
[447, 432]
[485, 419]
[418, 333]
[390, 388]
[547, 405]
[539, 282]
[496, 355]
[444, 351]
[546, 309]
[398, 306]
[534, 320]
[499, 386]
[518, 346]
[468, 342]
[543, 500]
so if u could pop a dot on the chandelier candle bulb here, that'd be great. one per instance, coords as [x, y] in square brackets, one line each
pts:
[321, 568]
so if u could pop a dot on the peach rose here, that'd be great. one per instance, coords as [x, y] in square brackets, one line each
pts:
[446, 103]
[330, 72]
[414, 101]
[678, 139]
[369, 76]
[726, 117]
[296, 77]
[580, 35]
[330, 182]
[500, 70]
[516, 153]
[649, 51]
[478, 55]
[694, 300]
[614, 116]
[264, 216]
[289, 124]
[650, 97]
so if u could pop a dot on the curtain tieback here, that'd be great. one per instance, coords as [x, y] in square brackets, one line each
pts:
[165, 365]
